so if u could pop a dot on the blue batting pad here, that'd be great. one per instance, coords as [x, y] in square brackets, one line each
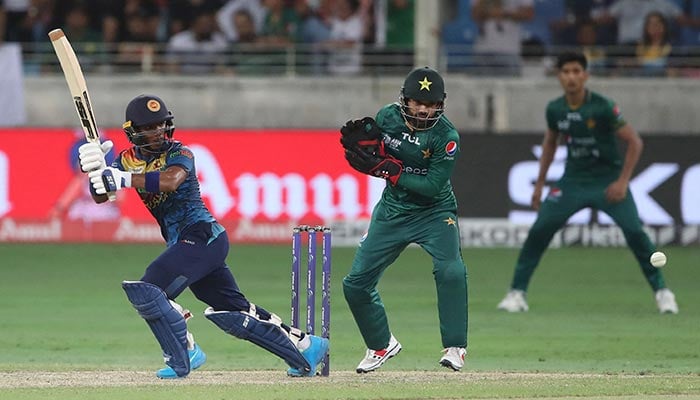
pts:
[264, 334]
[166, 323]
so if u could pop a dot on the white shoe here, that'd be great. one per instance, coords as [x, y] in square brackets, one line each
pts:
[453, 358]
[375, 358]
[666, 301]
[514, 301]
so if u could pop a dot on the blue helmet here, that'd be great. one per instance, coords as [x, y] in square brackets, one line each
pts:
[145, 110]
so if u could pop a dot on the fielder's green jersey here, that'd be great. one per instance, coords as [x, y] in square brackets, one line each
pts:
[589, 132]
[428, 158]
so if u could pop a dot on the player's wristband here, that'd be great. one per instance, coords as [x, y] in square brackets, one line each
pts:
[153, 182]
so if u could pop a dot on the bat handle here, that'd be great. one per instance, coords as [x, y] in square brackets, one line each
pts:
[112, 196]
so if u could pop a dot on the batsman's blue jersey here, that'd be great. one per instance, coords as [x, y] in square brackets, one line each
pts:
[176, 210]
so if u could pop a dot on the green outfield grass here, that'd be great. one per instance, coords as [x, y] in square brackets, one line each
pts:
[592, 330]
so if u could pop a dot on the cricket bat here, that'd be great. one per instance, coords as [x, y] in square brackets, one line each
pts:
[77, 86]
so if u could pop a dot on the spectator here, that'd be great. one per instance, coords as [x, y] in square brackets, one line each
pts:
[86, 41]
[580, 12]
[366, 11]
[150, 14]
[587, 39]
[250, 58]
[77, 26]
[141, 25]
[630, 15]
[280, 24]
[245, 27]
[55, 13]
[182, 12]
[654, 49]
[43, 19]
[400, 16]
[117, 13]
[225, 16]
[498, 45]
[264, 52]
[315, 22]
[345, 44]
[199, 49]
[314, 29]
[112, 21]
[399, 24]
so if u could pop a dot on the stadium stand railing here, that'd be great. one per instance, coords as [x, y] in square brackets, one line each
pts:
[456, 56]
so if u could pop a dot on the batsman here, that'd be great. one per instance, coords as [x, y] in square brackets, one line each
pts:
[163, 173]
[413, 146]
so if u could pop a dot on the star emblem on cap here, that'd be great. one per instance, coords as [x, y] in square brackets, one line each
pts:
[450, 221]
[425, 84]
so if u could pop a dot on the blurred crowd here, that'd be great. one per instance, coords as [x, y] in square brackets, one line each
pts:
[203, 35]
[619, 37]
[639, 37]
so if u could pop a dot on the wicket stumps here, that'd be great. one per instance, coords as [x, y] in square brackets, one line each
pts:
[312, 232]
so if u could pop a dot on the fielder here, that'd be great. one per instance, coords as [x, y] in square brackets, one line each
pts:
[414, 147]
[163, 173]
[595, 176]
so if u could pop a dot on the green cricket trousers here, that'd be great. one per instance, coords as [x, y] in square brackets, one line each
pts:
[437, 232]
[562, 202]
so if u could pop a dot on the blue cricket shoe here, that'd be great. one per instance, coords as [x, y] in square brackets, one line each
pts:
[314, 354]
[197, 359]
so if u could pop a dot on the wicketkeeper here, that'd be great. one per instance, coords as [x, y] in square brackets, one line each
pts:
[163, 173]
[413, 146]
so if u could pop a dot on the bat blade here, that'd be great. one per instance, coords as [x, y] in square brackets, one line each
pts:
[76, 83]
[77, 87]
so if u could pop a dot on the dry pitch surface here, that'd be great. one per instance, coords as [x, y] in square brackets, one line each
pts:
[96, 379]
[28, 379]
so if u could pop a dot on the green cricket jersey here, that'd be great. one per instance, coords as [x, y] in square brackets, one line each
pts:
[589, 132]
[428, 158]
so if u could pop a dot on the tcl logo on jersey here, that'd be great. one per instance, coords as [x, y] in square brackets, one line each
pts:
[410, 138]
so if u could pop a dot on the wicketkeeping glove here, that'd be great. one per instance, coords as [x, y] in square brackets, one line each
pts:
[92, 155]
[387, 167]
[362, 135]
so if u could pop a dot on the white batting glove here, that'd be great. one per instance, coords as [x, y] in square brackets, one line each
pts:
[92, 155]
[109, 180]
